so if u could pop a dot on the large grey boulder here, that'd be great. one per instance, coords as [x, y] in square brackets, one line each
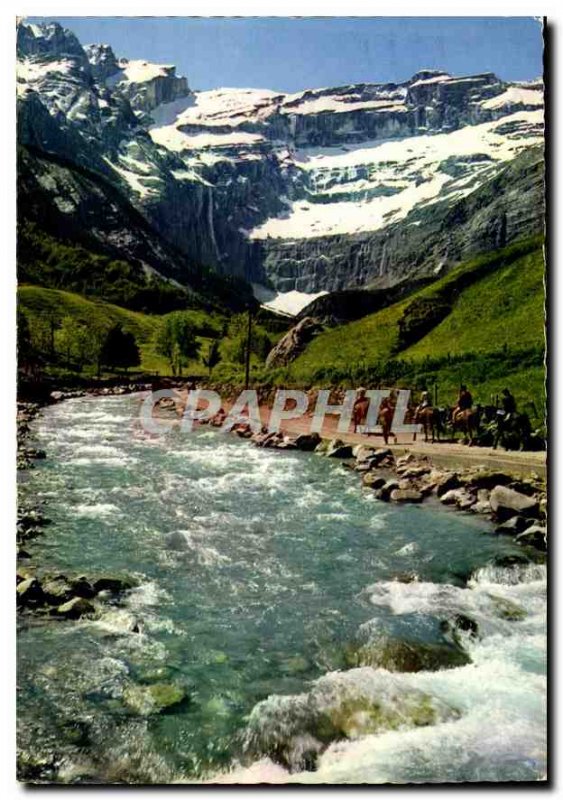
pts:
[506, 503]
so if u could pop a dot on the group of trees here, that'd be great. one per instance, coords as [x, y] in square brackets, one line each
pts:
[176, 340]
[75, 344]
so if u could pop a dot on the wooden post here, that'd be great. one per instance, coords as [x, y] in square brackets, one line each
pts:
[248, 341]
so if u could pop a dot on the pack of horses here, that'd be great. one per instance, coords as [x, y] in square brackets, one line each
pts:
[484, 425]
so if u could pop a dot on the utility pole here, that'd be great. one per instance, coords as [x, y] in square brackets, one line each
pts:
[247, 354]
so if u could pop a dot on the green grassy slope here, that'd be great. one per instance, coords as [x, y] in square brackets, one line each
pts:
[38, 302]
[41, 305]
[483, 323]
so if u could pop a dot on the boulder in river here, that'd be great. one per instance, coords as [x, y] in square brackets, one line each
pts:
[113, 584]
[384, 493]
[29, 593]
[307, 441]
[399, 655]
[485, 479]
[506, 503]
[176, 541]
[458, 497]
[374, 481]
[534, 536]
[448, 482]
[57, 590]
[513, 526]
[76, 608]
[81, 587]
[340, 705]
[337, 449]
[406, 496]
[154, 698]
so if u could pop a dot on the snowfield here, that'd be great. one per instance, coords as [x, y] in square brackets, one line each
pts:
[284, 302]
[409, 165]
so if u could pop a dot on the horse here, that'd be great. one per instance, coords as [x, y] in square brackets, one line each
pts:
[467, 421]
[431, 420]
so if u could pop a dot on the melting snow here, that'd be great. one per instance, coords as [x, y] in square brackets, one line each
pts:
[514, 95]
[285, 302]
[414, 160]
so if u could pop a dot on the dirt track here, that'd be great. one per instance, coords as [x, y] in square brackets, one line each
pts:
[445, 454]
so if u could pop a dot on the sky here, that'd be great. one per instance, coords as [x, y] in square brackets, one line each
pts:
[290, 54]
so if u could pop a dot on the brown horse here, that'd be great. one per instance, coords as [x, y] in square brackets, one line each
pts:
[467, 421]
[429, 418]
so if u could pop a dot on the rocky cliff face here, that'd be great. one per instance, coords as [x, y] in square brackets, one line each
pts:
[320, 190]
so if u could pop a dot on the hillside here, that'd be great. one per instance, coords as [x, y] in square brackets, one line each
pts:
[482, 324]
[45, 307]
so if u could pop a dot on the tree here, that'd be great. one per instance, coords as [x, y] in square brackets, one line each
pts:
[26, 352]
[235, 345]
[213, 356]
[119, 349]
[176, 340]
[74, 342]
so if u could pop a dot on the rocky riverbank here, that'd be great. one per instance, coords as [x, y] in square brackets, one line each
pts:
[37, 591]
[517, 507]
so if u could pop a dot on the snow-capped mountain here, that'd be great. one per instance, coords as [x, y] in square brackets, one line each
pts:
[307, 192]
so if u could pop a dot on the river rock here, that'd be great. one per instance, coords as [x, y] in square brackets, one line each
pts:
[512, 526]
[81, 587]
[76, 608]
[399, 655]
[459, 624]
[337, 449]
[363, 452]
[57, 590]
[384, 493]
[414, 472]
[534, 536]
[113, 585]
[403, 461]
[176, 541]
[373, 480]
[457, 497]
[29, 593]
[506, 503]
[484, 479]
[307, 441]
[153, 699]
[406, 496]
[506, 609]
[447, 483]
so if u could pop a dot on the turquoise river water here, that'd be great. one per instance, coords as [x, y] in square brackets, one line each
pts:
[256, 572]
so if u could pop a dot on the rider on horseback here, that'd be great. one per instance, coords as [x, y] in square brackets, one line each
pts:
[424, 403]
[508, 402]
[464, 401]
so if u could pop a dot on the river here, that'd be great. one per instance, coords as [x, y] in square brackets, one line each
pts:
[258, 571]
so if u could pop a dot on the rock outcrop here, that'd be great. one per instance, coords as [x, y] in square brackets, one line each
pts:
[293, 342]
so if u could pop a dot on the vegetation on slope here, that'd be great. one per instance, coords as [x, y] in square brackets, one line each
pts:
[48, 312]
[482, 324]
